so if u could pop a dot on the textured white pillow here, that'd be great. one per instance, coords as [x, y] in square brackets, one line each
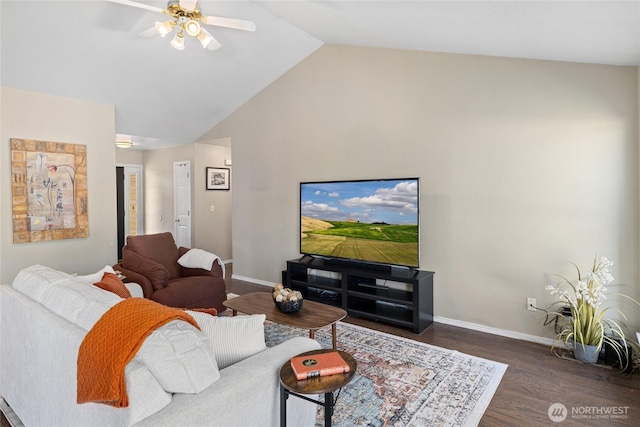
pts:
[179, 357]
[232, 338]
[146, 396]
[97, 276]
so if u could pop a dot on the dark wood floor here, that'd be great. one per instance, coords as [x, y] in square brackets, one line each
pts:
[534, 380]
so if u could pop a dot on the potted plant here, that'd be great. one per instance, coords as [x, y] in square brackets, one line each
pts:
[586, 329]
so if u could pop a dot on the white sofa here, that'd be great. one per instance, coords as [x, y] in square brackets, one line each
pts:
[45, 315]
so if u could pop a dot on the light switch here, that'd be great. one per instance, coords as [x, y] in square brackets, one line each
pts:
[212, 208]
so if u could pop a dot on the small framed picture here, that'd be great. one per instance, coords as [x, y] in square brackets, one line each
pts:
[218, 178]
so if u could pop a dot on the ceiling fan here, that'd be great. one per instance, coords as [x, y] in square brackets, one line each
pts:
[187, 18]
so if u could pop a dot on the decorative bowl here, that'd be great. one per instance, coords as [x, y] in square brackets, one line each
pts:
[289, 306]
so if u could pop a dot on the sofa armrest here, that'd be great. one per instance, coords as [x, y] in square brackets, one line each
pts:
[132, 276]
[247, 394]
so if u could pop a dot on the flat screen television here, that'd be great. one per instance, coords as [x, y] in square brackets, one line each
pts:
[373, 221]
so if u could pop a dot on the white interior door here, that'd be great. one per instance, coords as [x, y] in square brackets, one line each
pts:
[182, 203]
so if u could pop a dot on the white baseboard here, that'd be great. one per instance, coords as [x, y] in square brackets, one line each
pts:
[494, 331]
[252, 280]
[447, 321]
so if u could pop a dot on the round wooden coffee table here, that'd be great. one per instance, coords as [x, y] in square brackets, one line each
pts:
[290, 385]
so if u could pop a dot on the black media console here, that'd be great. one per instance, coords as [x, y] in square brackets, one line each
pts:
[399, 296]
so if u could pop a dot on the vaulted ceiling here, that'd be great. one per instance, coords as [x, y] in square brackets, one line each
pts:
[91, 50]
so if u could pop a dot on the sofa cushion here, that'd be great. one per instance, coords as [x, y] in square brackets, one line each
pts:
[157, 274]
[232, 339]
[177, 354]
[160, 248]
[111, 283]
[74, 300]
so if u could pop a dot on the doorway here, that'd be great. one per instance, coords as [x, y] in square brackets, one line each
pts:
[182, 203]
[128, 203]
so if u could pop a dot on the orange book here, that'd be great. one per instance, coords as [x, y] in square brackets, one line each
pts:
[319, 365]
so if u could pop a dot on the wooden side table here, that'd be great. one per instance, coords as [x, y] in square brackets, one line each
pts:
[290, 385]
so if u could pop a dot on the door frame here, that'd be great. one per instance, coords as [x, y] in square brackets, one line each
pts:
[177, 221]
[128, 169]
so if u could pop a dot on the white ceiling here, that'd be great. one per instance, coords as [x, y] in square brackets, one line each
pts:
[90, 49]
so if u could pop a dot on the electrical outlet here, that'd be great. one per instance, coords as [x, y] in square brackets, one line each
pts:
[531, 303]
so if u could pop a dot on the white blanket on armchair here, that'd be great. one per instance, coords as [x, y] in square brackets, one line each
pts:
[198, 258]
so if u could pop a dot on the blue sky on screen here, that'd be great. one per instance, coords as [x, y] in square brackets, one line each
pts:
[390, 201]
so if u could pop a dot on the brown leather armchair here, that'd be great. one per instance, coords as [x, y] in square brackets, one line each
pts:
[151, 260]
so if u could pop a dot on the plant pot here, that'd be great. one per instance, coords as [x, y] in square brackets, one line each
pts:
[586, 353]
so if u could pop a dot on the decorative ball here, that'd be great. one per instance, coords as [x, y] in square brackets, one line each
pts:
[286, 299]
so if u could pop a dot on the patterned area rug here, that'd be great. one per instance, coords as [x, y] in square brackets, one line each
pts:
[401, 382]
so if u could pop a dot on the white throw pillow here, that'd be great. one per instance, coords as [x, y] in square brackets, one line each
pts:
[179, 357]
[146, 396]
[97, 276]
[232, 338]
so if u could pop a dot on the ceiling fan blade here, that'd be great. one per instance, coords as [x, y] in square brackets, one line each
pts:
[138, 5]
[151, 32]
[188, 4]
[237, 24]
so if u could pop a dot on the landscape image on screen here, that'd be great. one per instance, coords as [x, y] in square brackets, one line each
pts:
[374, 220]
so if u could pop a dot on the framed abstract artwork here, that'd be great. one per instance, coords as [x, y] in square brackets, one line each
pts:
[48, 190]
[218, 179]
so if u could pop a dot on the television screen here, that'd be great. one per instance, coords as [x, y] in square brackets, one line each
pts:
[373, 221]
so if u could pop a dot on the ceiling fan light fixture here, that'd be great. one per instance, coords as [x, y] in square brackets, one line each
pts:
[164, 28]
[205, 39]
[192, 28]
[178, 41]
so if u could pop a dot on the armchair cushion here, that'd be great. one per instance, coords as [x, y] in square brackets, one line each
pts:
[192, 292]
[157, 274]
[160, 248]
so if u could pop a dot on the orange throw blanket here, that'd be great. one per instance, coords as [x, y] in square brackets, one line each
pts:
[113, 342]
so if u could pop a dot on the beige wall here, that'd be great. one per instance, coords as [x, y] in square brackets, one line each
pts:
[210, 231]
[128, 156]
[525, 165]
[158, 186]
[42, 117]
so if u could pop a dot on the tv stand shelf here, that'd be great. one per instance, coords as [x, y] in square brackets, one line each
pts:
[399, 296]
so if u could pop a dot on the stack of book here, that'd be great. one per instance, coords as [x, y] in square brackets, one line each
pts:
[318, 365]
